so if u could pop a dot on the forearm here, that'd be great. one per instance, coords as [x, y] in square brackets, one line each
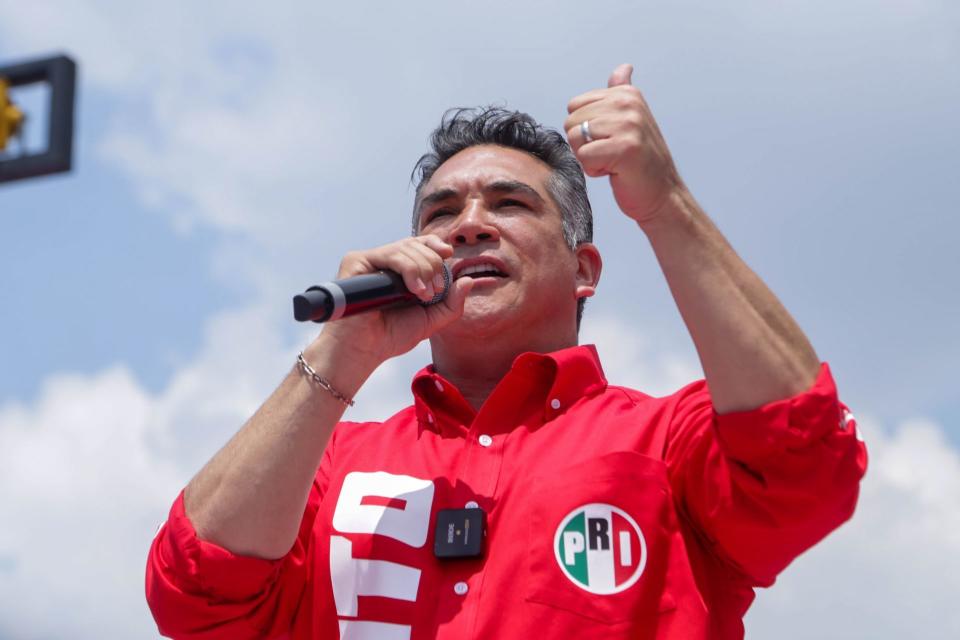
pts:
[251, 496]
[751, 349]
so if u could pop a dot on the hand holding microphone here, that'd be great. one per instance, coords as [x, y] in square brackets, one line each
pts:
[388, 282]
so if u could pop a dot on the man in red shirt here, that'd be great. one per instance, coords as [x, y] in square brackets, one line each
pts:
[595, 511]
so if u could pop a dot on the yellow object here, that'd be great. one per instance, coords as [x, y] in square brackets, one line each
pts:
[11, 118]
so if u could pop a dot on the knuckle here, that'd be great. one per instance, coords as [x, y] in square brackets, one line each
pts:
[634, 118]
[431, 241]
[629, 98]
[422, 261]
[622, 101]
[399, 260]
[631, 142]
[434, 259]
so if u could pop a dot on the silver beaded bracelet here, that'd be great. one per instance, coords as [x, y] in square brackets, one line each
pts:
[316, 377]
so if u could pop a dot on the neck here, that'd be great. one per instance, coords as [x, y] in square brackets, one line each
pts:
[476, 366]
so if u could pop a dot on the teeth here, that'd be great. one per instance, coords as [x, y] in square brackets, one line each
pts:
[479, 268]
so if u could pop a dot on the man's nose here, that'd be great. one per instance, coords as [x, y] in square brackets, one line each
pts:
[473, 225]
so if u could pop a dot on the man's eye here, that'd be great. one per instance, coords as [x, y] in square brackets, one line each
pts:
[439, 212]
[508, 202]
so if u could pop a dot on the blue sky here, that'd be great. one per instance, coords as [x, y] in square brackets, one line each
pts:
[228, 156]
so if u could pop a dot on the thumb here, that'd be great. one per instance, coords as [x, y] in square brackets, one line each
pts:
[621, 75]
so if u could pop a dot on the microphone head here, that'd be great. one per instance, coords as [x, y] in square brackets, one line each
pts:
[313, 304]
[440, 295]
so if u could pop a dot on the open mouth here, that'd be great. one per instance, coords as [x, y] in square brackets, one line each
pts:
[481, 270]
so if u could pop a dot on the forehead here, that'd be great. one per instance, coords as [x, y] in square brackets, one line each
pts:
[475, 167]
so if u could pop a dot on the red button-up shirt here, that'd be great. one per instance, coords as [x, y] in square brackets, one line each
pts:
[610, 514]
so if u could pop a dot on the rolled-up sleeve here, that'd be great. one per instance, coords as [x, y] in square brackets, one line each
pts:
[764, 485]
[198, 590]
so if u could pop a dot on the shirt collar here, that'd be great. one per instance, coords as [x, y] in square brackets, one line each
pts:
[557, 380]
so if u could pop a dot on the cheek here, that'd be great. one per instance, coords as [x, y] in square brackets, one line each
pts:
[556, 269]
[542, 251]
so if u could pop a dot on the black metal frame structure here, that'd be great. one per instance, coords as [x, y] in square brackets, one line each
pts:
[60, 72]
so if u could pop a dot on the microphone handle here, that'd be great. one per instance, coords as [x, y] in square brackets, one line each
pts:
[340, 298]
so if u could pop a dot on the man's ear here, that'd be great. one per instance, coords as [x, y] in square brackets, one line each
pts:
[589, 266]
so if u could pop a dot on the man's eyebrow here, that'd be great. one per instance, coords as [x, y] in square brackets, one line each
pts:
[435, 197]
[513, 186]
[500, 186]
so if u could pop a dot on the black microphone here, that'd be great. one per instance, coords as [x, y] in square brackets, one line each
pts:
[330, 301]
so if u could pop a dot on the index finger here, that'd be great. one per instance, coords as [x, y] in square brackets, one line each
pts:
[435, 242]
[584, 99]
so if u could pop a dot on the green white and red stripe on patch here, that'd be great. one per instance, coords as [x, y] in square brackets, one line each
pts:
[600, 548]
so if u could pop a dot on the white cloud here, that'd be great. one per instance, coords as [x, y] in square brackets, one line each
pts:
[894, 570]
[241, 117]
[631, 359]
[201, 89]
[88, 471]
[79, 496]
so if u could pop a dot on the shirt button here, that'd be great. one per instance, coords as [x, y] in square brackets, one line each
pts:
[846, 419]
[439, 385]
[471, 505]
[555, 403]
[485, 440]
[461, 588]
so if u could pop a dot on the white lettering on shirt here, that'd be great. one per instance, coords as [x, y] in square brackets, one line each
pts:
[399, 509]
[573, 543]
[363, 630]
[408, 525]
[626, 553]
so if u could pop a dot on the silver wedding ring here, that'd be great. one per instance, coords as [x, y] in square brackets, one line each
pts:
[585, 130]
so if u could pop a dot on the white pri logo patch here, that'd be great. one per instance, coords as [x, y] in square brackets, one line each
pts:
[600, 548]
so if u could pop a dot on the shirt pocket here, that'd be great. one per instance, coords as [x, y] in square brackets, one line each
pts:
[599, 538]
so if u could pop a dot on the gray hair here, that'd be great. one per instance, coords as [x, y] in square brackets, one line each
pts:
[463, 128]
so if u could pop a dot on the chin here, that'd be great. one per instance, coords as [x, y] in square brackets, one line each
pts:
[482, 317]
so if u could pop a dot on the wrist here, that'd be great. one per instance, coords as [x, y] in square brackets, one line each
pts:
[344, 365]
[677, 210]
